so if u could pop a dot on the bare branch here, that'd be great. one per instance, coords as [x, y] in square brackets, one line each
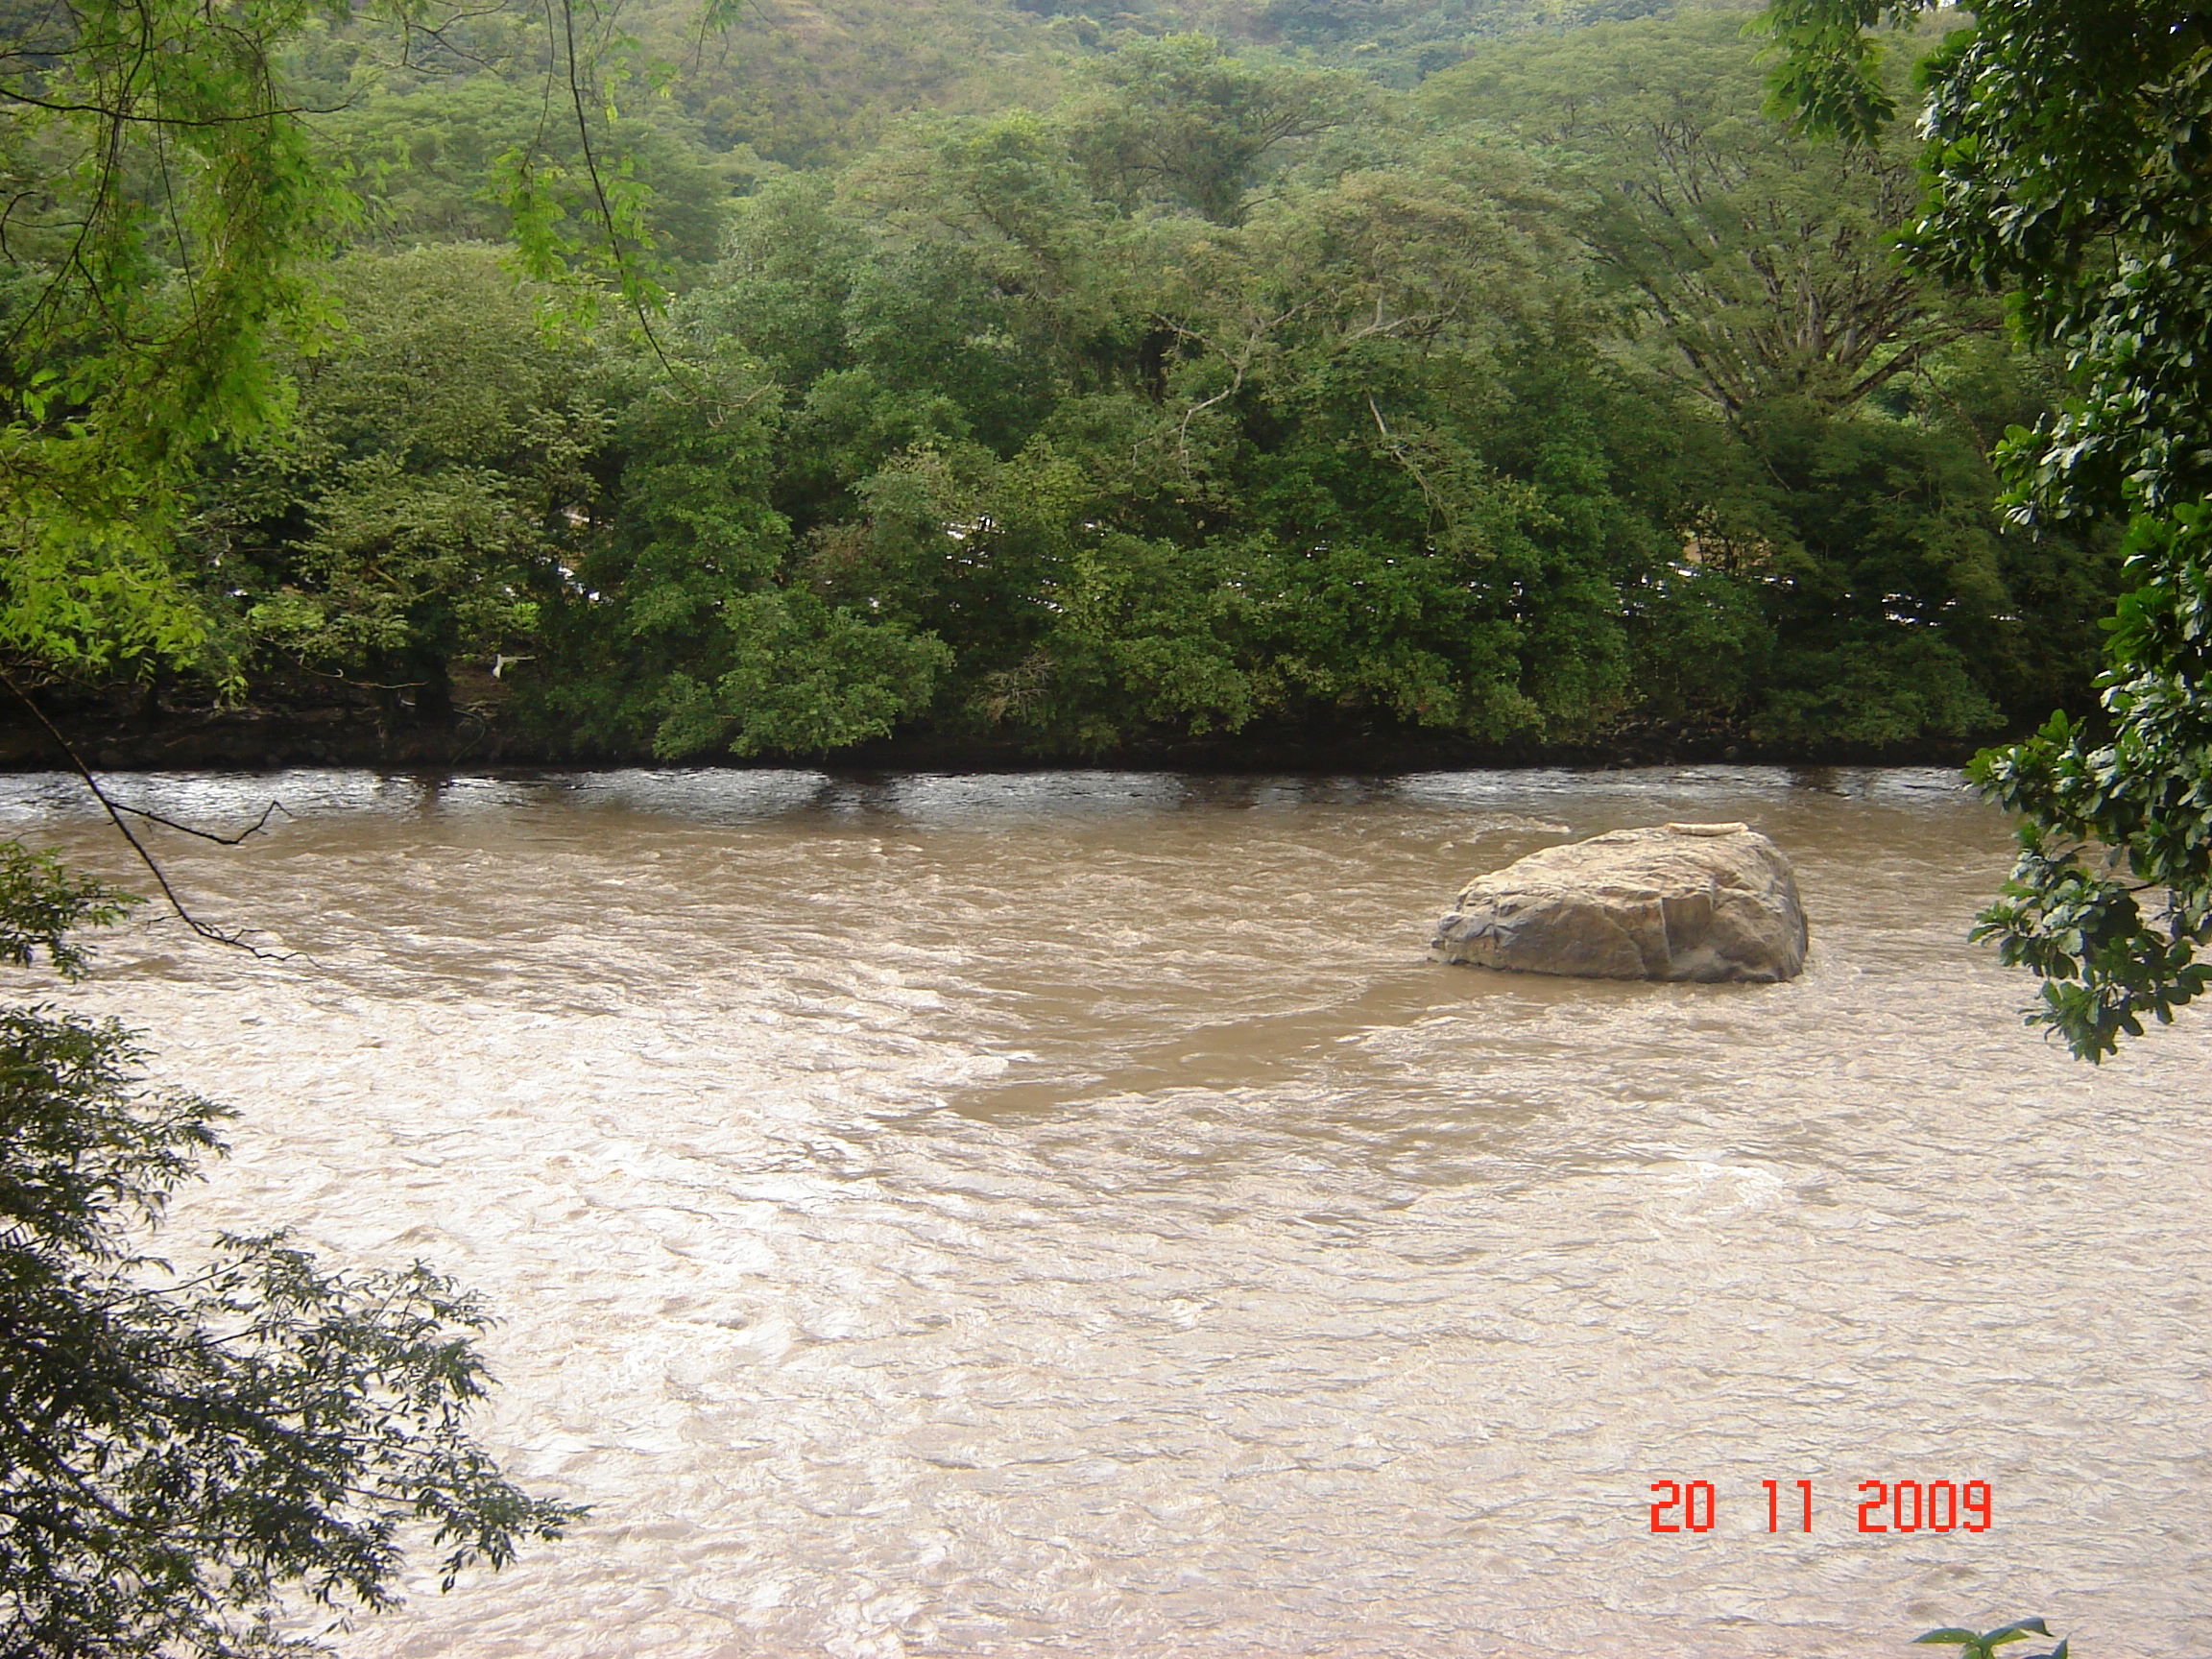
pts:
[118, 815]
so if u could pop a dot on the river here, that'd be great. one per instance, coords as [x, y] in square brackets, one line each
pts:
[1067, 1213]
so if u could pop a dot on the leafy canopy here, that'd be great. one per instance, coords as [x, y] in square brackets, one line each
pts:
[166, 198]
[182, 1450]
[161, 193]
[2067, 148]
[1182, 117]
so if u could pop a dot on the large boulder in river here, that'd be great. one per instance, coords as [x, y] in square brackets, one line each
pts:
[1682, 902]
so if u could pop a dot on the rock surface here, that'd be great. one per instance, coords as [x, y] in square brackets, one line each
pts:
[1703, 901]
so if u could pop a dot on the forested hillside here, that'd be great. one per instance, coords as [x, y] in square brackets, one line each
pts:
[1064, 382]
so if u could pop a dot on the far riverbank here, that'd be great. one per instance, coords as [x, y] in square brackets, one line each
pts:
[138, 728]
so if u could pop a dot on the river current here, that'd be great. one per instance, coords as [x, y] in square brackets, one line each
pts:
[1069, 1215]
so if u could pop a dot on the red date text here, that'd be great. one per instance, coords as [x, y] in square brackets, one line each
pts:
[1885, 1507]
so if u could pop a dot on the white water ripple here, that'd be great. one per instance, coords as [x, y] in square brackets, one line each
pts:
[1067, 1213]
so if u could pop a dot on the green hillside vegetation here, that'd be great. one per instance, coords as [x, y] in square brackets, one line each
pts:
[809, 82]
[1060, 385]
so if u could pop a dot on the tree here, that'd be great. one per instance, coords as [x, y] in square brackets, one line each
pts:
[1181, 118]
[159, 191]
[422, 160]
[1838, 535]
[180, 1450]
[163, 199]
[2067, 148]
[1757, 264]
[675, 627]
[1420, 535]
[434, 471]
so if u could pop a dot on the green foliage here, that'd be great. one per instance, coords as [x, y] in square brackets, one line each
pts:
[1985, 1644]
[2110, 821]
[182, 1451]
[1183, 119]
[780, 291]
[1756, 264]
[1269, 420]
[1830, 78]
[1224, 393]
[1401, 41]
[426, 165]
[168, 194]
[1394, 43]
[1081, 459]
[1074, 633]
[2066, 150]
[1882, 580]
[1143, 638]
[403, 572]
[42, 900]
[812, 83]
[161, 194]
[803, 678]
[675, 628]
[428, 482]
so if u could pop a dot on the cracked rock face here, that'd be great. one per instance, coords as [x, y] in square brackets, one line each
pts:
[1706, 901]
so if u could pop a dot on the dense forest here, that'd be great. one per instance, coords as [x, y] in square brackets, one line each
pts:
[1309, 377]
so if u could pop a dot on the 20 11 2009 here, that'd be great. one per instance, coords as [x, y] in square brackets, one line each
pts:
[1896, 1507]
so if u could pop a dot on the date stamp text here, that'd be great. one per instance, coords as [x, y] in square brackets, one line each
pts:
[1887, 1506]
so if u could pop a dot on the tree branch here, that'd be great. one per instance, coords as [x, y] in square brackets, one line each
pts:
[119, 815]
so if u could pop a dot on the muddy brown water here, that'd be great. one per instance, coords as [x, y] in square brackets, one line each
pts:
[1067, 1213]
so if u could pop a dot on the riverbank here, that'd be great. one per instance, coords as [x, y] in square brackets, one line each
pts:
[135, 729]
